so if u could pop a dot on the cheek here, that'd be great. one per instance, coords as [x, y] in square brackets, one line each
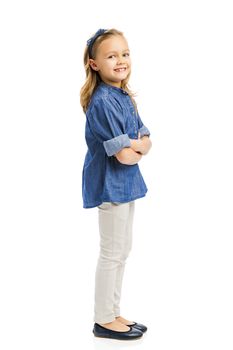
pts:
[129, 61]
[109, 65]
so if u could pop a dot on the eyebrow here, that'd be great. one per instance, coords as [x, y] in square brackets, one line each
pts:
[107, 53]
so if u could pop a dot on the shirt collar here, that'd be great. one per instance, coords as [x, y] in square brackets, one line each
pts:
[114, 88]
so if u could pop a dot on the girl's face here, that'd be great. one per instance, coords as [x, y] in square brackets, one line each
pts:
[112, 60]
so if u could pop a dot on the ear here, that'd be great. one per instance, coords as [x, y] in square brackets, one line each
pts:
[93, 64]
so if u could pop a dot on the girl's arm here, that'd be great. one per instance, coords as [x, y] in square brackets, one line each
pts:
[128, 156]
[141, 145]
[132, 155]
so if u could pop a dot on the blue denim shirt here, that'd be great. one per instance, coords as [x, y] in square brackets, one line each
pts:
[111, 121]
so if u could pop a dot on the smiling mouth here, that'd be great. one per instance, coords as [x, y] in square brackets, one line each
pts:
[122, 69]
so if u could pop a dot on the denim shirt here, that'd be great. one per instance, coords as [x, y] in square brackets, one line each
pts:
[111, 121]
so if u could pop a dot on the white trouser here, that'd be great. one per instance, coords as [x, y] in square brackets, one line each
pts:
[115, 227]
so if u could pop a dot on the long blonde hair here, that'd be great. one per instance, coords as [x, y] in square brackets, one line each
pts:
[92, 77]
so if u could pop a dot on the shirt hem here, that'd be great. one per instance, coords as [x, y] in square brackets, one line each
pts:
[89, 206]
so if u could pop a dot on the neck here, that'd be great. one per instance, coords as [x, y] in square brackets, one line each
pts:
[116, 84]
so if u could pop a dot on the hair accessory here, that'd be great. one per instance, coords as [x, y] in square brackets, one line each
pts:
[90, 42]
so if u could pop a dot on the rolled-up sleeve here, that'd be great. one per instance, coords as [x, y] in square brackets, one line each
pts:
[144, 131]
[116, 144]
[107, 124]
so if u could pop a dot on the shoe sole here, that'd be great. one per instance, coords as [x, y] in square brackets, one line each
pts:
[128, 339]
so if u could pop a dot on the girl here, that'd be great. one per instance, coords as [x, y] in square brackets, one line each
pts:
[111, 180]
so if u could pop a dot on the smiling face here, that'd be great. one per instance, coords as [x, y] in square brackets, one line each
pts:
[112, 60]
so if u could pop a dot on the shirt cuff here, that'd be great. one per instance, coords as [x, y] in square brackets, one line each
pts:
[116, 144]
[144, 131]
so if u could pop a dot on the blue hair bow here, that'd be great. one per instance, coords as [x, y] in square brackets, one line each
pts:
[90, 42]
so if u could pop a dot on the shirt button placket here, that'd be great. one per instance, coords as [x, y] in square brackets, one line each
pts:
[135, 128]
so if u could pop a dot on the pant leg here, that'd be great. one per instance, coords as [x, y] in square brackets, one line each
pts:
[113, 222]
[121, 268]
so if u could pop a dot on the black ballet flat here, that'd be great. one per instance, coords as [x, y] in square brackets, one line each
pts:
[102, 332]
[138, 326]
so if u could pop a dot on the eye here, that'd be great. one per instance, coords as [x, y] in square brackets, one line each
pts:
[126, 54]
[111, 56]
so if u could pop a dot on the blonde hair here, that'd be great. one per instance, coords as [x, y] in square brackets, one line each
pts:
[92, 77]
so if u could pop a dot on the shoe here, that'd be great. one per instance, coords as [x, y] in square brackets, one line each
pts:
[102, 332]
[139, 326]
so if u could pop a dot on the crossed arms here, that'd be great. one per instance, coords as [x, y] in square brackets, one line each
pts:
[133, 154]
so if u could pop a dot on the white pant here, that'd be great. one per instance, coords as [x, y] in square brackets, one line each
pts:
[115, 226]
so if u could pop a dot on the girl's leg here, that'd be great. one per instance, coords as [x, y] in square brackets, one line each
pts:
[121, 268]
[114, 247]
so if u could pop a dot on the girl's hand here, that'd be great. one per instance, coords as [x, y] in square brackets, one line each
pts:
[146, 142]
[136, 145]
[141, 145]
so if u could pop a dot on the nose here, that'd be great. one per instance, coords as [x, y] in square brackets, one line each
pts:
[120, 59]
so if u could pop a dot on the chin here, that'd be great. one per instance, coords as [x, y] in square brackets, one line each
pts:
[120, 79]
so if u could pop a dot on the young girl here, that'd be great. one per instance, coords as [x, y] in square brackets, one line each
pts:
[117, 140]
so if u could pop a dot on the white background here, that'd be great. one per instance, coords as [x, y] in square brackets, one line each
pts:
[178, 279]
